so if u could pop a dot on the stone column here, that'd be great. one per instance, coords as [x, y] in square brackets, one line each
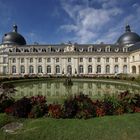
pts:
[35, 65]
[94, 69]
[18, 66]
[121, 65]
[85, 65]
[103, 65]
[111, 65]
[26, 66]
[44, 65]
[53, 66]
[9, 66]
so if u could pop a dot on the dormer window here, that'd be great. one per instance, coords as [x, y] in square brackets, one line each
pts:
[49, 49]
[99, 50]
[107, 49]
[125, 49]
[90, 49]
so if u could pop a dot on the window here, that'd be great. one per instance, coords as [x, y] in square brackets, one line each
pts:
[22, 60]
[133, 58]
[116, 59]
[125, 59]
[81, 70]
[4, 60]
[57, 68]
[69, 59]
[125, 69]
[98, 69]
[116, 69]
[81, 59]
[69, 69]
[4, 70]
[107, 59]
[89, 69]
[14, 60]
[57, 59]
[107, 69]
[98, 59]
[39, 69]
[40, 60]
[22, 69]
[90, 59]
[31, 69]
[13, 69]
[31, 60]
[49, 69]
[134, 69]
[48, 59]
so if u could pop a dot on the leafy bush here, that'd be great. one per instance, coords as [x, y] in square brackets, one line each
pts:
[55, 111]
[6, 99]
[7, 102]
[22, 107]
[80, 106]
[128, 101]
[36, 112]
[111, 103]
[100, 108]
[39, 106]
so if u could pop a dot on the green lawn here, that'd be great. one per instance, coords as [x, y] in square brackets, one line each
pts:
[124, 127]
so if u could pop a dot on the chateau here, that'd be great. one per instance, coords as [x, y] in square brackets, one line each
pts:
[19, 58]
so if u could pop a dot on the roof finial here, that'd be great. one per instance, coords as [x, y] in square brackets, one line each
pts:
[127, 28]
[15, 28]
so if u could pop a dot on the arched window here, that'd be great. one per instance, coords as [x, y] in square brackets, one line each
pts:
[107, 69]
[31, 69]
[90, 69]
[57, 69]
[4, 69]
[39, 69]
[125, 69]
[81, 70]
[48, 69]
[13, 69]
[69, 69]
[22, 69]
[116, 69]
[134, 69]
[99, 69]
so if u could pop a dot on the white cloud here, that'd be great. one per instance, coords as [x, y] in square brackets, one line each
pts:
[102, 24]
[87, 21]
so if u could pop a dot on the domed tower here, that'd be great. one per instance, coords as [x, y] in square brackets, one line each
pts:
[128, 37]
[13, 38]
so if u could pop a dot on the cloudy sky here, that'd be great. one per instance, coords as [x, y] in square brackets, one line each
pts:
[57, 21]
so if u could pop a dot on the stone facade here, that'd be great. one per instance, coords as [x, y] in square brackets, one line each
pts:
[69, 59]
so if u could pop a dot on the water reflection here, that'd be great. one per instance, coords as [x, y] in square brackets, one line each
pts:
[58, 90]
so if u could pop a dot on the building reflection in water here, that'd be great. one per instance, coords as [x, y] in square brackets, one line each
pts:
[58, 90]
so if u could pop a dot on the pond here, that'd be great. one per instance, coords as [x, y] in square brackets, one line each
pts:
[56, 91]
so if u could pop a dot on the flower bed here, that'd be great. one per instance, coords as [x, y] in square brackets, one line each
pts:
[78, 106]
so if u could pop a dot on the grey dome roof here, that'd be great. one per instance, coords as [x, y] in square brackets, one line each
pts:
[13, 38]
[128, 37]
